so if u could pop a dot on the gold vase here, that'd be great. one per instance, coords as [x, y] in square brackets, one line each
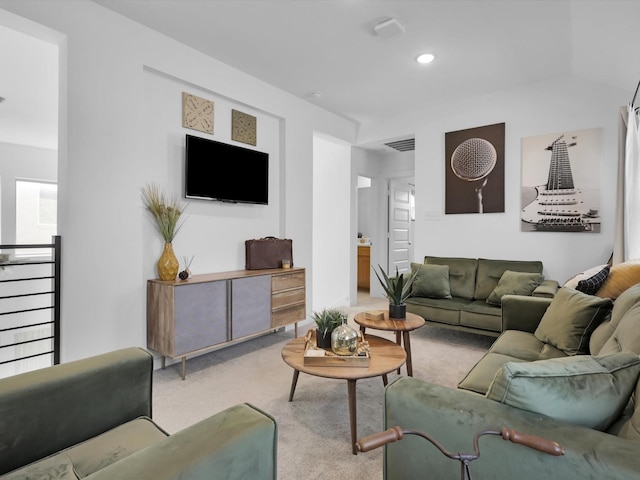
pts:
[168, 264]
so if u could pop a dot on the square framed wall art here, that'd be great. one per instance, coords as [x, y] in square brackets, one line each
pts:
[197, 113]
[243, 127]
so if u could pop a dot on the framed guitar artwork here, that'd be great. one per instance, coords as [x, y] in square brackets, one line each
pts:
[561, 182]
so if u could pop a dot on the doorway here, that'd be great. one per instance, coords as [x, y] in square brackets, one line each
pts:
[400, 216]
[366, 227]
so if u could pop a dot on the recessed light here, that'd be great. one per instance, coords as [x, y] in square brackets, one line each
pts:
[425, 58]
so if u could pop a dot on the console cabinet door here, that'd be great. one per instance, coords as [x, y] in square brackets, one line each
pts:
[250, 305]
[200, 312]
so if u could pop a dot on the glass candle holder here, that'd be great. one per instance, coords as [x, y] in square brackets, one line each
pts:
[344, 339]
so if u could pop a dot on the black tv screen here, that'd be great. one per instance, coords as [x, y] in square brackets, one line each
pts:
[228, 173]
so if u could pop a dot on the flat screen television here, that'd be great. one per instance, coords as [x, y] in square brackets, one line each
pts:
[224, 172]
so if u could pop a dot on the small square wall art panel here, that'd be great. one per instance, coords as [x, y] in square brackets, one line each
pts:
[561, 182]
[244, 127]
[197, 113]
[474, 170]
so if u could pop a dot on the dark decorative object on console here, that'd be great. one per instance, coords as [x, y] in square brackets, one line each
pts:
[268, 252]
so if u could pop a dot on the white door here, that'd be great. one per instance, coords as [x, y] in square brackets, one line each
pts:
[400, 246]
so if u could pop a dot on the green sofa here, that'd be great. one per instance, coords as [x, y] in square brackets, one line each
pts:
[91, 419]
[454, 292]
[573, 381]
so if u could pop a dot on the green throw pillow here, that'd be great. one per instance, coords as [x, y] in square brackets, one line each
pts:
[514, 283]
[570, 320]
[431, 281]
[584, 390]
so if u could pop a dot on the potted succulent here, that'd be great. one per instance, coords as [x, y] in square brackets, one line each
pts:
[398, 289]
[326, 320]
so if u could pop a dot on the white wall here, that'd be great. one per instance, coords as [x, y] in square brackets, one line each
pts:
[331, 222]
[554, 106]
[163, 161]
[111, 144]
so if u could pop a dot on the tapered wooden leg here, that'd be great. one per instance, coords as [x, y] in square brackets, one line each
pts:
[407, 348]
[351, 391]
[294, 382]
[399, 342]
[385, 380]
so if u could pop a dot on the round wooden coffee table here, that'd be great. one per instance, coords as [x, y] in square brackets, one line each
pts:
[386, 356]
[401, 327]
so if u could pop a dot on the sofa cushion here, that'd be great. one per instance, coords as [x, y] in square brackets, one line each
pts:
[511, 346]
[584, 390]
[481, 315]
[630, 427]
[431, 281]
[443, 310]
[94, 454]
[570, 319]
[490, 272]
[113, 445]
[626, 336]
[462, 274]
[514, 283]
[605, 330]
[621, 277]
[624, 303]
[56, 467]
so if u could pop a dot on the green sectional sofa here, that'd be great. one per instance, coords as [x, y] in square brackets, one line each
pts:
[91, 419]
[566, 369]
[465, 293]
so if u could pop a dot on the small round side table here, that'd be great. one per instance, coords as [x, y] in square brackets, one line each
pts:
[402, 327]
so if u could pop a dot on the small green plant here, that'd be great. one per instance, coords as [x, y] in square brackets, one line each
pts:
[327, 319]
[397, 288]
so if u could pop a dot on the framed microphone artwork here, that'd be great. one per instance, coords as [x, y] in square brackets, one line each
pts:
[560, 189]
[474, 166]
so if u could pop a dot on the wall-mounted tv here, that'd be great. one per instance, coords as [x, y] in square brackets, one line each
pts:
[224, 172]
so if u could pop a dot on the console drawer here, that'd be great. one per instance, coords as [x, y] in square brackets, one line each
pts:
[285, 281]
[285, 316]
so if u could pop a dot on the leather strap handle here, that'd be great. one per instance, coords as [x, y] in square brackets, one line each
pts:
[378, 439]
[531, 441]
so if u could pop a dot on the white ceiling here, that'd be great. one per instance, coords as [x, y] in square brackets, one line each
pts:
[329, 46]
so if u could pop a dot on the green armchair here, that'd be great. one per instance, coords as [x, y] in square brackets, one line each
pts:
[92, 419]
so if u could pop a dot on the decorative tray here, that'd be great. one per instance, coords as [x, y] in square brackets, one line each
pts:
[314, 355]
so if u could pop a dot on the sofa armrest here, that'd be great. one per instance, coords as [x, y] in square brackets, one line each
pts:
[547, 289]
[235, 444]
[453, 416]
[50, 409]
[520, 312]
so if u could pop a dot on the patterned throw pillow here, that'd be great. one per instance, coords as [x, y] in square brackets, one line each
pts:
[592, 284]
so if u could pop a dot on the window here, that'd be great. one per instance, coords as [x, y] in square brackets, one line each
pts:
[36, 213]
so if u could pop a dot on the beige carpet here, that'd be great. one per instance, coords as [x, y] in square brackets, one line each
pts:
[313, 430]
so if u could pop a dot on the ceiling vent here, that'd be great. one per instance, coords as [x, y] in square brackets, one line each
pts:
[389, 28]
[405, 145]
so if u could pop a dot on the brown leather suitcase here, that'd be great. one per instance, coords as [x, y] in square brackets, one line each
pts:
[268, 252]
